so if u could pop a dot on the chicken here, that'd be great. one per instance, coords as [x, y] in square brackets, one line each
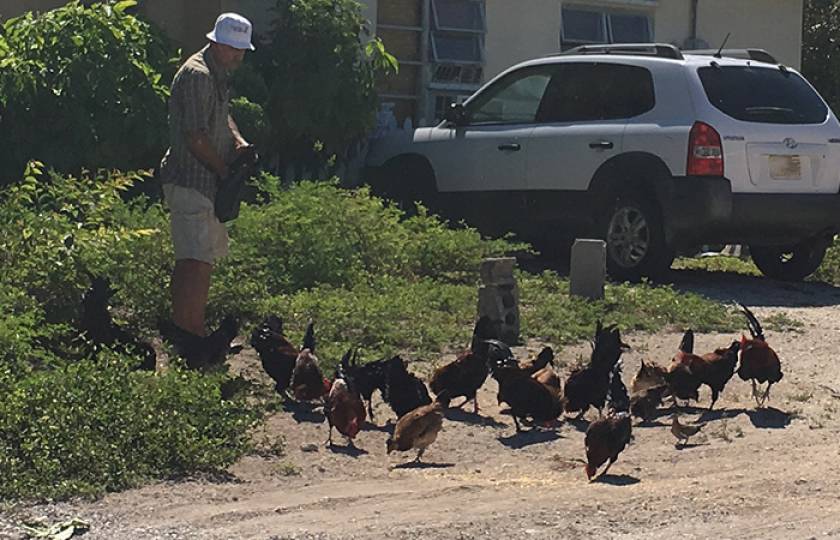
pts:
[550, 378]
[717, 368]
[681, 431]
[526, 396]
[308, 384]
[402, 390]
[101, 330]
[649, 375]
[202, 351]
[417, 429]
[543, 359]
[643, 404]
[681, 379]
[465, 375]
[344, 408]
[369, 377]
[759, 362]
[588, 386]
[276, 352]
[607, 437]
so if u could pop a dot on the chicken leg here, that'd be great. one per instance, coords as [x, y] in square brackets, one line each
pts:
[419, 455]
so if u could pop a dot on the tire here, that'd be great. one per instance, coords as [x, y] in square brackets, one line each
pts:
[636, 247]
[406, 181]
[789, 263]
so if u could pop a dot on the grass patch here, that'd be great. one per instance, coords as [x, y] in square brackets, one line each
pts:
[782, 322]
[549, 313]
[719, 263]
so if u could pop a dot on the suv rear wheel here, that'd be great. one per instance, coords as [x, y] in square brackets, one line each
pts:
[789, 263]
[632, 227]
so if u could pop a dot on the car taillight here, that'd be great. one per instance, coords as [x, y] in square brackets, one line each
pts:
[705, 151]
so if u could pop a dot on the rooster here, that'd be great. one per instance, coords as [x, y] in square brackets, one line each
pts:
[402, 390]
[717, 368]
[759, 362]
[276, 352]
[465, 375]
[607, 437]
[101, 330]
[368, 377]
[527, 397]
[344, 408]
[681, 378]
[588, 386]
[202, 351]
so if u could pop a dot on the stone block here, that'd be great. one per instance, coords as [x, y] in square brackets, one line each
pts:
[588, 268]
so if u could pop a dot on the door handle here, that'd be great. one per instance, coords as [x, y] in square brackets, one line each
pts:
[601, 145]
[513, 147]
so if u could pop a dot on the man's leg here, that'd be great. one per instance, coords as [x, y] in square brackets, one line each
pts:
[190, 288]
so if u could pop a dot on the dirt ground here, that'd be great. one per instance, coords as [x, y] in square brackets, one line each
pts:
[751, 473]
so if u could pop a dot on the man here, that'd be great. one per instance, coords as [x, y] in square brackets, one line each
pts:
[204, 140]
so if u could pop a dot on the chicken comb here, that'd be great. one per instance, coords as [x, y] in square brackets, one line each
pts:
[752, 322]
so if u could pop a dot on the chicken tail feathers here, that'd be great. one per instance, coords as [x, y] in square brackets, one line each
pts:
[752, 322]
[309, 337]
[687, 342]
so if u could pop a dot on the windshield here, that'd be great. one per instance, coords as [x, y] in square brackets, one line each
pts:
[760, 94]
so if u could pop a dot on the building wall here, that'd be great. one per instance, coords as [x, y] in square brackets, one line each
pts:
[515, 33]
[775, 25]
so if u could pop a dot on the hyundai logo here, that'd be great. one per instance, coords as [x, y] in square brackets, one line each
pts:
[790, 143]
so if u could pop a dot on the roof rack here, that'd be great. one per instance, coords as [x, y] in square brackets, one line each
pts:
[662, 50]
[759, 55]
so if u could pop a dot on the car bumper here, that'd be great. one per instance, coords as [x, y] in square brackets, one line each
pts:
[706, 210]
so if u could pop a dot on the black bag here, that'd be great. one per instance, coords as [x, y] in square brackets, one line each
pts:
[229, 192]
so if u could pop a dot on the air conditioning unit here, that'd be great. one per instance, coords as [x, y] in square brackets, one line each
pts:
[457, 74]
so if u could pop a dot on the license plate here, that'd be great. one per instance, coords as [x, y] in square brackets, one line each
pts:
[785, 168]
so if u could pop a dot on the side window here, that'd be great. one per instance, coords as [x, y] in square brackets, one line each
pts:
[512, 100]
[586, 92]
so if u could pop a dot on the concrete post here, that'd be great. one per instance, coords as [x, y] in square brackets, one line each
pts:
[498, 296]
[588, 268]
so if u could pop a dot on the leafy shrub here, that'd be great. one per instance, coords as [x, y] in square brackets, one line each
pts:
[319, 71]
[317, 234]
[829, 270]
[82, 87]
[96, 426]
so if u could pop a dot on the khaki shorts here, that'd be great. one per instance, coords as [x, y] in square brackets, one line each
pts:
[196, 231]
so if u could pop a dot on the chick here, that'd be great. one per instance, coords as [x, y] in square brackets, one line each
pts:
[681, 431]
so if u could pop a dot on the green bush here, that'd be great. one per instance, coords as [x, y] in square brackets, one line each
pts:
[82, 87]
[96, 426]
[316, 71]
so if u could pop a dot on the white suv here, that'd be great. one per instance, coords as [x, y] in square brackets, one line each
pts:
[649, 147]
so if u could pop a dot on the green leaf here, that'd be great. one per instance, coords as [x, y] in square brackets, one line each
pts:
[120, 7]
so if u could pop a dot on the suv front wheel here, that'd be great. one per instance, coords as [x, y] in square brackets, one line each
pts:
[632, 227]
[789, 263]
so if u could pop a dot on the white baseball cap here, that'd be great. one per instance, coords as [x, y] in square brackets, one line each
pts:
[233, 30]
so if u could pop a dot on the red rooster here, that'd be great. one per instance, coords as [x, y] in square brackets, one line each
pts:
[759, 362]
[344, 407]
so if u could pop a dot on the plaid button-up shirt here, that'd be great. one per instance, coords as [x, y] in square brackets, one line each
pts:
[199, 101]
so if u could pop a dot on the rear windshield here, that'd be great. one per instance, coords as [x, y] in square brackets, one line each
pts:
[766, 95]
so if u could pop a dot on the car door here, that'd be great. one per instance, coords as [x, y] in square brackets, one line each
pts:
[488, 151]
[582, 121]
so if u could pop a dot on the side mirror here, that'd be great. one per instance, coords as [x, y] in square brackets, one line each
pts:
[455, 114]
